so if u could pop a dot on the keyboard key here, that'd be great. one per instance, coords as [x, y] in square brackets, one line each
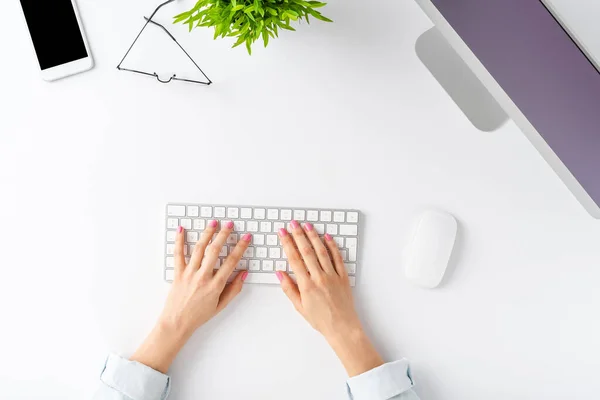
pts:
[259, 213]
[351, 268]
[286, 215]
[280, 265]
[267, 265]
[191, 237]
[272, 213]
[172, 223]
[252, 226]
[199, 224]
[170, 249]
[206, 212]
[266, 227]
[169, 275]
[223, 252]
[274, 252]
[261, 252]
[171, 235]
[232, 239]
[186, 223]
[239, 226]
[352, 245]
[176, 211]
[249, 253]
[332, 229]
[192, 211]
[352, 217]
[246, 213]
[258, 239]
[352, 254]
[218, 264]
[339, 216]
[326, 216]
[349, 230]
[299, 215]
[277, 226]
[254, 265]
[320, 229]
[344, 254]
[242, 265]
[312, 215]
[339, 241]
[272, 240]
[170, 262]
[233, 213]
[190, 249]
[220, 212]
[262, 278]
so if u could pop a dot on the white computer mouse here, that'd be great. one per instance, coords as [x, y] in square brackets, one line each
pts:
[429, 251]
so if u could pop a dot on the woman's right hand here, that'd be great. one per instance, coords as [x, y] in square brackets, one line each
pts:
[323, 296]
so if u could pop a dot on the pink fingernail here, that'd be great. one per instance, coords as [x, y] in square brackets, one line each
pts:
[328, 237]
[283, 232]
[308, 226]
[180, 229]
[229, 225]
[244, 276]
[247, 237]
[294, 224]
[279, 276]
[213, 224]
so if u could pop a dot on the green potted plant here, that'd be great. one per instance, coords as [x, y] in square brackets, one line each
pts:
[249, 20]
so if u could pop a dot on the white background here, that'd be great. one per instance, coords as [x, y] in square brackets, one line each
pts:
[334, 115]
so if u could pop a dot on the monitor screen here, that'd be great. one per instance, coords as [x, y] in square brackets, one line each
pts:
[537, 63]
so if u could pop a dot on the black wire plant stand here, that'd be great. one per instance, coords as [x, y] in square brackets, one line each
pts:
[154, 74]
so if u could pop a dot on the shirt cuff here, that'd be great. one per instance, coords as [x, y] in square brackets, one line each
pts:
[381, 383]
[135, 380]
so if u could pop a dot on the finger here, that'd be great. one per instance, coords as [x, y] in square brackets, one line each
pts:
[336, 256]
[178, 252]
[293, 256]
[234, 258]
[212, 251]
[306, 250]
[320, 249]
[232, 290]
[290, 289]
[200, 247]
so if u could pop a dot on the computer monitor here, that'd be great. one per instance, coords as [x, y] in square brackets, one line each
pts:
[540, 75]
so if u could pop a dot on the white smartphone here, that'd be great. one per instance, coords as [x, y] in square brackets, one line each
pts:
[57, 34]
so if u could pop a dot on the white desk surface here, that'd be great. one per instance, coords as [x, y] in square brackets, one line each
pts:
[337, 114]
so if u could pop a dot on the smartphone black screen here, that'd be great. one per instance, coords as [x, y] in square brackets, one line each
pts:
[55, 31]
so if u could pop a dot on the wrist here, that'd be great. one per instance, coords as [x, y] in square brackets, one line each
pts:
[345, 337]
[355, 351]
[161, 346]
[173, 328]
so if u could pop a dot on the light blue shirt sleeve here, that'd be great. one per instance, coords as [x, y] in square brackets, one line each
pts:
[122, 379]
[390, 381]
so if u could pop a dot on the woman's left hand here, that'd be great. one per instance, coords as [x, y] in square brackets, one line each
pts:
[198, 293]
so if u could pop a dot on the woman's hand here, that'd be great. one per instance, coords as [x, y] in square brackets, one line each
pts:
[198, 293]
[324, 298]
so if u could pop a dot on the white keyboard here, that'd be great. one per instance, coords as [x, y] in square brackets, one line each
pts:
[265, 255]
